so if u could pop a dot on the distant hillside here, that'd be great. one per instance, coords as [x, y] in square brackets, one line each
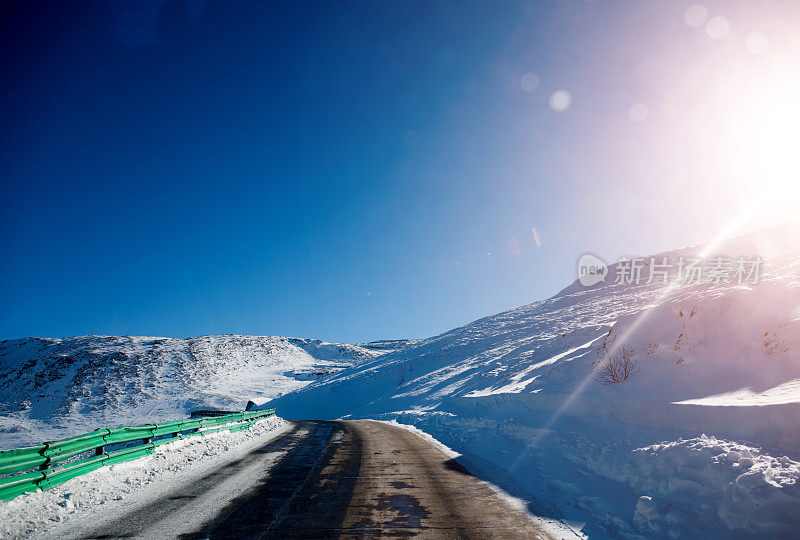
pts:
[388, 345]
[58, 387]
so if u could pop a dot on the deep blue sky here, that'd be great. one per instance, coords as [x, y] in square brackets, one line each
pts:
[341, 170]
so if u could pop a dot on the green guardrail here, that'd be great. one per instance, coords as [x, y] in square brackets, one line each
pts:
[46, 457]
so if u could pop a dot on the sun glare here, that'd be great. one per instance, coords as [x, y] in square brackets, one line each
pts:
[767, 151]
[752, 134]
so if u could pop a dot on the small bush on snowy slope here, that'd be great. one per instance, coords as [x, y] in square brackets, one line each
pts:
[617, 367]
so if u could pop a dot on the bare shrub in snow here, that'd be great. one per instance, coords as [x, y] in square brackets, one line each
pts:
[616, 368]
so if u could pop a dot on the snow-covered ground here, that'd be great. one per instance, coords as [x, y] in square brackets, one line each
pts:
[109, 491]
[54, 388]
[703, 438]
[389, 345]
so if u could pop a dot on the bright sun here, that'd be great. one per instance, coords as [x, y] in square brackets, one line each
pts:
[764, 147]
[772, 138]
[737, 122]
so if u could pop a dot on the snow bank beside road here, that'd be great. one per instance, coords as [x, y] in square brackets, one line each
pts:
[108, 488]
[711, 478]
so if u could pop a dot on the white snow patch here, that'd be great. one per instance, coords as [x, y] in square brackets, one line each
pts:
[708, 478]
[788, 392]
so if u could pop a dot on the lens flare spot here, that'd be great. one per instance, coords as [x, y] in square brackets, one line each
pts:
[717, 27]
[695, 16]
[637, 112]
[513, 246]
[560, 100]
[756, 43]
[536, 237]
[529, 82]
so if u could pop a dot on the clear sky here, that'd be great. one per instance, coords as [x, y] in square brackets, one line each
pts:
[362, 170]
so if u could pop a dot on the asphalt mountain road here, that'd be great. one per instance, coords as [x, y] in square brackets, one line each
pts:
[346, 479]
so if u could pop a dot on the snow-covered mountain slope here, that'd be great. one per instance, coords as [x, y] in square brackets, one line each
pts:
[52, 388]
[388, 345]
[701, 438]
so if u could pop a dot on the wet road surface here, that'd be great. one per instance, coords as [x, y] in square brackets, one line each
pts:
[347, 479]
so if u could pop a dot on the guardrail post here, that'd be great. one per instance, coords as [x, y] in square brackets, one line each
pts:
[100, 450]
[146, 440]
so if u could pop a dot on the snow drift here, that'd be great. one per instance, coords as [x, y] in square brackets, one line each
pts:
[700, 437]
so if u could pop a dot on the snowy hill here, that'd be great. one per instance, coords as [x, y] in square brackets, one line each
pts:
[388, 345]
[620, 409]
[52, 388]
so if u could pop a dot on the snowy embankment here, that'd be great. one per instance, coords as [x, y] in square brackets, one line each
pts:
[702, 438]
[109, 491]
[55, 388]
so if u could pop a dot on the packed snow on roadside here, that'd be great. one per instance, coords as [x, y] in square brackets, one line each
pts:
[702, 439]
[55, 388]
[37, 513]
